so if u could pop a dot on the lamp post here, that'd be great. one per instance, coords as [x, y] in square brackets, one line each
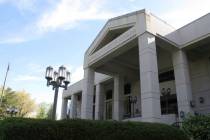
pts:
[56, 80]
[132, 101]
[12, 111]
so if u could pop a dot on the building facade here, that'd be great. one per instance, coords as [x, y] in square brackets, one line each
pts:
[139, 68]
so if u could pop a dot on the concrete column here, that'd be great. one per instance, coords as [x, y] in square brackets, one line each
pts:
[64, 108]
[149, 82]
[99, 104]
[117, 100]
[73, 106]
[87, 94]
[182, 80]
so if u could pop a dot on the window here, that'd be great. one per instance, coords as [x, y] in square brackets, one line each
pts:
[108, 110]
[127, 89]
[169, 104]
[127, 107]
[168, 100]
[108, 104]
[127, 104]
[109, 94]
[94, 100]
[166, 76]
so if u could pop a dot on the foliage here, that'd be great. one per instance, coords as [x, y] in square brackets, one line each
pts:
[43, 110]
[24, 129]
[49, 113]
[197, 127]
[18, 99]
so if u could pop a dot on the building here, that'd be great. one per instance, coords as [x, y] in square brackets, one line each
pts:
[139, 68]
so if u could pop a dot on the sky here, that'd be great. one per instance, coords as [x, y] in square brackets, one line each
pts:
[38, 33]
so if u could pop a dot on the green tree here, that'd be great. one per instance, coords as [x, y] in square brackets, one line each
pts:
[42, 112]
[18, 99]
[49, 113]
[24, 103]
[7, 100]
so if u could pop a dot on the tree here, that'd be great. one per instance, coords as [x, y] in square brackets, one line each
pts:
[24, 103]
[49, 113]
[18, 99]
[42, 112]
[6, 100]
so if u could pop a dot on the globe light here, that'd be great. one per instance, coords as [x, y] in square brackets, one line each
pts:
[67, 79]
[55, 76]
[49, 73]
[62, 72]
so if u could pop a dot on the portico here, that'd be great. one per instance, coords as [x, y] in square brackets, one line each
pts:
[134, 57]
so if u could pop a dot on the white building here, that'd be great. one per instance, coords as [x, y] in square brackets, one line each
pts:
[165, 72]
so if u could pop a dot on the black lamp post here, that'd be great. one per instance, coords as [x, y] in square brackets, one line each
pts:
[12, 111]
[132, 101]
[57, 79]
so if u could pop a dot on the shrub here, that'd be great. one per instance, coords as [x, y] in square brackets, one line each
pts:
[197, 127]
[36, 129]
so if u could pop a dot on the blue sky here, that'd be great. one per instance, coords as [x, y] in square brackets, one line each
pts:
[38, 33]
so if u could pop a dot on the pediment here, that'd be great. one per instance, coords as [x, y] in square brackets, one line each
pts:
[111, 35]
[113, 29]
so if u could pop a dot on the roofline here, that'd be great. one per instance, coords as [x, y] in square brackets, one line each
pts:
[192, 21]
[128, 14]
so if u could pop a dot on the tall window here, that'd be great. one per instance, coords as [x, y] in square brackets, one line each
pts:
[127, 104]
[168, 100]
[108, 103]
[169, 104]
[94, 101]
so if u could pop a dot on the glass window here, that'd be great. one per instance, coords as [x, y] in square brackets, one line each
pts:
[94, 100]
[127, 107]
[169, 104]
[109, 94]
[108, 110]
[127, 89]
[166, 76]
[108, 104]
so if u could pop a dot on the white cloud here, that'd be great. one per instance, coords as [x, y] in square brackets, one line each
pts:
[21, 4]
[36, 68]
[28, 78]
[68, 12]
[12, 40]
[43, 96]
[36, 73]
[77, 74]
[62, 14]
[188, 11]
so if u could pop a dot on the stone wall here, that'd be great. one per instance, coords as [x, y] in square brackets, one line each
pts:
[200, 77]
